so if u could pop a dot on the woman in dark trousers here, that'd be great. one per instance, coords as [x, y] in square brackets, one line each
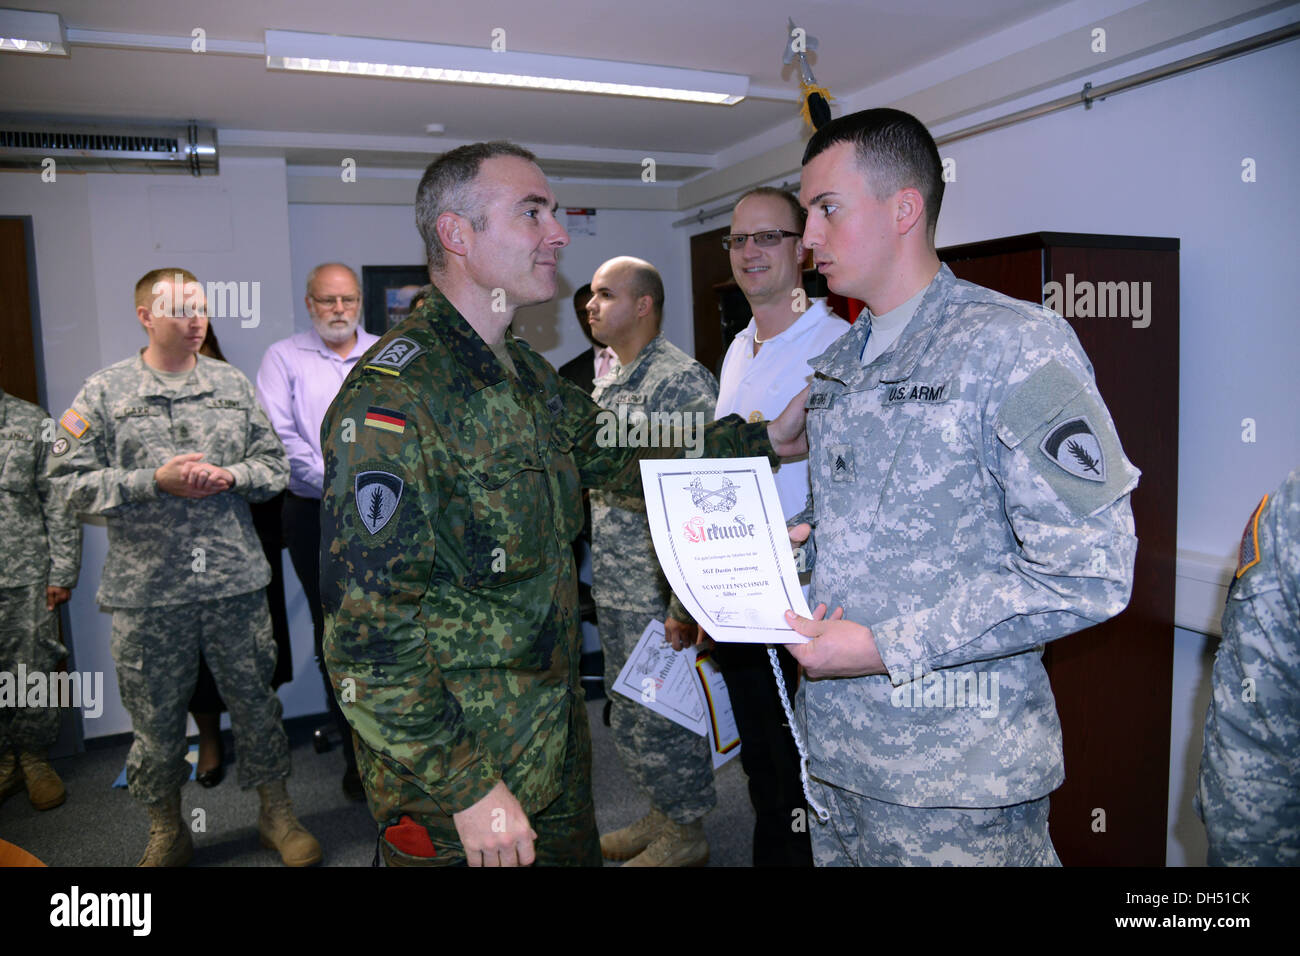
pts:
[206, 704]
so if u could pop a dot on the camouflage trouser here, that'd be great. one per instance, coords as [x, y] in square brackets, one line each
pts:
[672, 764]
[867, 832]
[566, 829]
[157, 654]
[29, 636]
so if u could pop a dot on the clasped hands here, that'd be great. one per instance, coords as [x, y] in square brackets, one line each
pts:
[186, 476]
[838, 648]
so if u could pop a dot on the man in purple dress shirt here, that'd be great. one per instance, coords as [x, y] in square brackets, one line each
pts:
[298, 379]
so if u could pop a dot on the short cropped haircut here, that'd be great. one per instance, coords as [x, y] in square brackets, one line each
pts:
[144, 289]
[311, 276]
[448, 186]
[800, 214]
[644, 279]
[894, 149]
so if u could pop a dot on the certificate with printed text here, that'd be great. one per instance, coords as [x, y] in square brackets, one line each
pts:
[719, 533]
[685, 686]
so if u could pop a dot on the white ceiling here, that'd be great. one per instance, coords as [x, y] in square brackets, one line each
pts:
[862, 42]
[939, 58]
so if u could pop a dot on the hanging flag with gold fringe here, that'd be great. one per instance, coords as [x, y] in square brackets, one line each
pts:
[815, 106]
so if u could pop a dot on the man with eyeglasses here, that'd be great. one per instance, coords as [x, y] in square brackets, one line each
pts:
[171, 447]
[765, 367]
[298, 379]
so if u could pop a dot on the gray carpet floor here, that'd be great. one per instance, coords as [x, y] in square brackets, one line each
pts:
[103, 826]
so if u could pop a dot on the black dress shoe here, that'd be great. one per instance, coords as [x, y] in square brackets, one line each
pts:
[352, 786]
[210, 778]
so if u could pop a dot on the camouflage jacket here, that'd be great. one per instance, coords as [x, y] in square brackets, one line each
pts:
[452, 492]
[660, 386]
[971, 504]
[163, 550]
[1249, 790]
[41, 538]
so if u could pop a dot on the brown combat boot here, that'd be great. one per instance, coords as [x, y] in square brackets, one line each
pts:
[280, 830]
[170, 843]
[44, 788]
[11, 778]
[676, 845]
[628, 842]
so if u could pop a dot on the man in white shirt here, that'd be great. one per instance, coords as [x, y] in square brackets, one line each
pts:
[296, 383]
[766, 366]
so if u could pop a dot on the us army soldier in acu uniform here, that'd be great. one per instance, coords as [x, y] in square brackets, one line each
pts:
[971, 503]
[1249, 791]
[170, 446]
[454, 459]
[40, 556]
[654, 382]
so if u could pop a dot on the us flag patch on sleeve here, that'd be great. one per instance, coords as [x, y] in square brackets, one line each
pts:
[74, 423]
[1248, 554]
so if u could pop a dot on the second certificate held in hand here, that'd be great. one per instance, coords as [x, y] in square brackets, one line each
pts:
[721, 540]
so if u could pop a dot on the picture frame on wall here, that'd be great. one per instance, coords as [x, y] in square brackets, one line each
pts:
[388, 292]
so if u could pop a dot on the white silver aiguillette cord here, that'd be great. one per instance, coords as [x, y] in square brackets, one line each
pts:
[822, 813]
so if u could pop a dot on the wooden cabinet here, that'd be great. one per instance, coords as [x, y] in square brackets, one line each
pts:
[1113, 682]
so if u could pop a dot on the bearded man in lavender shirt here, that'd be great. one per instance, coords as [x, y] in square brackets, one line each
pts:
[298, 379]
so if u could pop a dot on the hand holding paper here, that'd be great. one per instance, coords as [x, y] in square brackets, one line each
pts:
[838, 648]
[720, 536]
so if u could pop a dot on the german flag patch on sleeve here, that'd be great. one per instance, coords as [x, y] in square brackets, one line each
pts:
[386, 419]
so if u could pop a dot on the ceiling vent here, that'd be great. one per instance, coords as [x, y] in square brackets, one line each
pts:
[128, 149]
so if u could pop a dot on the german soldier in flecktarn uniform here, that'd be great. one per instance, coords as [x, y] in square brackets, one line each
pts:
[454, 459]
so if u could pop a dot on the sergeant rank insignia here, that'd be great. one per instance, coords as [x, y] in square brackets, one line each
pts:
[1073, 445]
[841, 462]
[377, 494]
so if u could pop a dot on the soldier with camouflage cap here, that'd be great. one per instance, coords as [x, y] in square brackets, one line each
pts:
[454, 458]
[1249, 788]
[40, 556]
[171, 446]
[652, 382]
[971, 502]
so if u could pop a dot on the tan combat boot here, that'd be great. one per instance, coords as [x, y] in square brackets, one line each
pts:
[170, 843]
[11, 778]
[676, 845]
[44, 788]
[280, 830]
[628, 842]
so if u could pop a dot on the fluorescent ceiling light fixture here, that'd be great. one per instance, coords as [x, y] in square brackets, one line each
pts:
[441, 63]
[26, 31]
